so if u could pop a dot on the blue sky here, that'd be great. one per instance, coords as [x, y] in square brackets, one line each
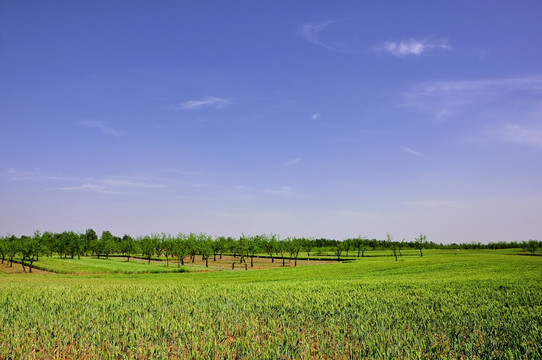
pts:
[324, 119]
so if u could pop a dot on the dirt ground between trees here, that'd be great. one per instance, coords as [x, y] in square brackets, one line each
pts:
[226, 263]
[18, 269]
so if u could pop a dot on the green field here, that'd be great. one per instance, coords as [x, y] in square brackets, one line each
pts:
[447, 304]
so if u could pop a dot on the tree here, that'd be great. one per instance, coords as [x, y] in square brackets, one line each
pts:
[281, 248]
[3, 248]
[148, 247]
[252, 248]
[339, 247]
[90, 240]
[30, 249]
[12, 248]
[269, 244]
[307, 244]
[107, 243]
[531, 246]
[420, 243]
[294, 246]
[217, 246]
[128, 246]
[393, 245]
[180, 248]
[167, 247]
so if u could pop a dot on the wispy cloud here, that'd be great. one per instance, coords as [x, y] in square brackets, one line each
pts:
[518, 134]
[100, 126]
[412, 47]
[432, 203]
[291, 162]
[208, 101]
[413, 152]
[105, 185]
[445, 99]
[312, 33]
[283, 191]
[315, 116]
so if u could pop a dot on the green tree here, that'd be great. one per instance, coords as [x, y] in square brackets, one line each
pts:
[107, 244]
[420, 243]
[393, 245]
[180, 248]
[30, 250]
[128, 246]
[307, 244]
[12, 248]
[294, 247]
[531, 246]
[149, 247]
[90, 240]
[338, 249]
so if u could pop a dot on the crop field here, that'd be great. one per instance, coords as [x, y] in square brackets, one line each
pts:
[447, 304]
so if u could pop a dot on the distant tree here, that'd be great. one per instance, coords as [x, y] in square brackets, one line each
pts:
[338, 250]
[307, 244]
[30, 249]
[107, 243]
[420, 243]
[281, 249]
[167, 245]
[393, 245]
[217, 246]
[12, 248]
[149, 246]
[269, 245]
[180, 248]
[3, 248]
[252, 248]
[192, 246]
[48, 242]
[294, 247]
[531, 246]
[128, 246]
[90, 240]
[205, 250]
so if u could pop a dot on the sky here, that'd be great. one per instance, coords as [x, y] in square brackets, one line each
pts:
[331, 119]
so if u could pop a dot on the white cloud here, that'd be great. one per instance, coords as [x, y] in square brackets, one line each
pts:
[284, 191]
[518, 134]
[445, 99]
[208, 101]
[413, 152]
[412, 46]
[312, 33]
[291, 162]
[99, 125]
[315, 116]
[432, 203]
[107, 184]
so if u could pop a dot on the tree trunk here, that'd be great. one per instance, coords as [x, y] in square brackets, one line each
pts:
[251, 261]
[206, 262]
[283, 263]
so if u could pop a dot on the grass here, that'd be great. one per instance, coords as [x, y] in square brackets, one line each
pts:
[113, 265]
[472, 304]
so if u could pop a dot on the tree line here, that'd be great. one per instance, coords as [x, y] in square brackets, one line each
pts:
[185, 247]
